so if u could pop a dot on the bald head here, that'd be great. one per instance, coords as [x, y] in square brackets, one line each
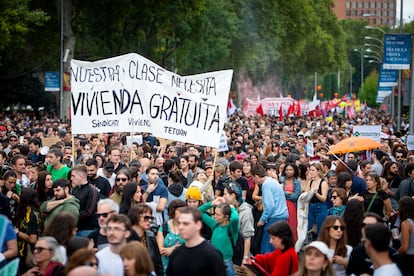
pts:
[145, 163]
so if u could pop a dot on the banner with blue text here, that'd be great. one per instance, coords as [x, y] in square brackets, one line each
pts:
[397, 51]
[130, 93]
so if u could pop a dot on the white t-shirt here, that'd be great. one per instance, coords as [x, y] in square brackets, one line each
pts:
[387, 270]
[109, 262]
[340, 269]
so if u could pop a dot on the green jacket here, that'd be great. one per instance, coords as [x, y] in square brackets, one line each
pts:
[71, 205]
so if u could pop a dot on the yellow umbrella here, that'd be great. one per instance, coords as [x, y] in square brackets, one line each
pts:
[353, 144]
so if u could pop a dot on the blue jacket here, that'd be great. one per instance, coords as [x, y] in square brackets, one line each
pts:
[274, 201]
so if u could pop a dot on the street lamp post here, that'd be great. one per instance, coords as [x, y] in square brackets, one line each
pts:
[361, 53]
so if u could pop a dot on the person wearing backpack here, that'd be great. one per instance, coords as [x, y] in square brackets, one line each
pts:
[233, 196]
[225, 227]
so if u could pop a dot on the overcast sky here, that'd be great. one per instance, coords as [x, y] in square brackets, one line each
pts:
[408, 10]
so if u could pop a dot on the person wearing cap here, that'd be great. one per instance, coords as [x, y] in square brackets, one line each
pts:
[107, 171]
[13, 142]
[285, 149]
[316, 260]
[3, 135]
[194, 198]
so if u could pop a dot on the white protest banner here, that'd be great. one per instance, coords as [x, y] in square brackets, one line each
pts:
[309, 148]
[372, 132]
[410, 142]
[135, 138]
[130, 93]
[223, 142]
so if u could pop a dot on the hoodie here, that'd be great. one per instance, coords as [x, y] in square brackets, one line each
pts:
[70, 205]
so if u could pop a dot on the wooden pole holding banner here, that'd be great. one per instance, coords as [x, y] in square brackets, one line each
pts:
[130, 147]
[73, 150]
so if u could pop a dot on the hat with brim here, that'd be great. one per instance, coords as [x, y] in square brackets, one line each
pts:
[320, 246]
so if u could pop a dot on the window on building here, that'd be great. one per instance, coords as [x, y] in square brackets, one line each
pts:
[348, 13]
[354, 5]
[379, 5]
[361, 5]
[367, 4]
[385, 5]
[347, 5]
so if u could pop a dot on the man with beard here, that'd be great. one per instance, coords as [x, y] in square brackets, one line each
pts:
[156, 195]
[106, 208]
[193, 167]
[62, 201]
[100, 183]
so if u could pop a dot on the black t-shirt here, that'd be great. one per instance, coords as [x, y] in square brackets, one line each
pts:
[102, 185]
[205, 260]
[377, 204]
[242, 182]
[99, 241]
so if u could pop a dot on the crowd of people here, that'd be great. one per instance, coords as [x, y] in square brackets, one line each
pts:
[94, 205]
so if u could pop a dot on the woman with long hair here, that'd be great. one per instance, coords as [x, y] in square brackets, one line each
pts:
[316, 260]
[406, 249]
[183, 165]
[247, 174]
[63, 229]
[333, 234]
[283, 261]
[376, 199]
[131, 196]
[44, 186]
[28, 225]
[344, 181]
[141, 219]
[136, 260]
[353, 217]
[10, 191]
[317, 205]
[292, 189]
[168, 236]
[224, 221]
[44, 256]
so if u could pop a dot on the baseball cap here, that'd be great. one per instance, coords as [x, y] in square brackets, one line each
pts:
[193, 192]
[135, 163]
[109, 166]
[321, 246]
[3, 128]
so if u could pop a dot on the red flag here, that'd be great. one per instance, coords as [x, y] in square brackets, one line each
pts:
[298, 111]
[259, 110]
[280, 113]
[291, 109]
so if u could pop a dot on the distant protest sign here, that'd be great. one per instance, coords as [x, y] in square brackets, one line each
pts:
[130, 93]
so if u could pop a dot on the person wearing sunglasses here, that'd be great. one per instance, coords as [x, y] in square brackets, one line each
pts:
[121, 179]
[141, 220]
[333, 234]
[44, 256]
[105, 209]
[339, 199]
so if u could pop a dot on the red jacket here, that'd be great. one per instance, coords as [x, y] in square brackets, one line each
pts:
[278, 263]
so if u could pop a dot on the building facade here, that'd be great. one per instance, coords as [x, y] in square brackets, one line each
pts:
[376, 12]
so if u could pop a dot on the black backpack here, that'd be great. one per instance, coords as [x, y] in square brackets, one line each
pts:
[238, 248]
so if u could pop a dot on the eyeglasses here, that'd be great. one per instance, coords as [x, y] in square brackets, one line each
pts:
[115, 229]
[91, 264]
[105, 215]
[287, 149]
[121, 179]
[334, 197]
[148, 218]
[87, 149]
[337, 227]
[40, 249]
[13, 140]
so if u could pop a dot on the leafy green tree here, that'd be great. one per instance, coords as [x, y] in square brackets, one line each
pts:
[369, 90]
